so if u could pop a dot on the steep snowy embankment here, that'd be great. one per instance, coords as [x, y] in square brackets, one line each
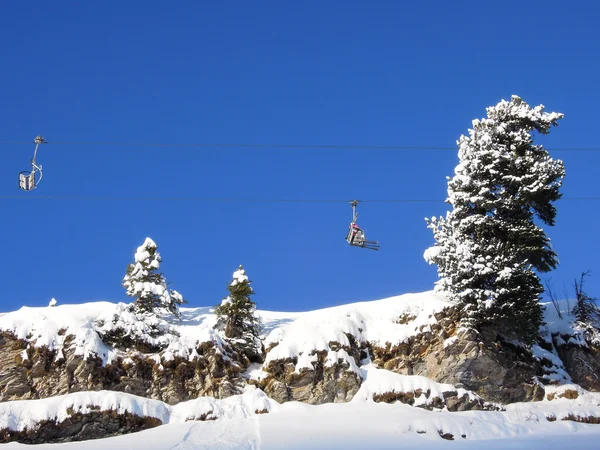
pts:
[295, 333]
[252, 419]
[26, 414]
[378, 322]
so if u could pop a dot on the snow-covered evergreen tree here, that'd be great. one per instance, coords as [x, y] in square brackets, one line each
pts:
[148, 286]
[237, 317]
[585, 310]
[488, 247]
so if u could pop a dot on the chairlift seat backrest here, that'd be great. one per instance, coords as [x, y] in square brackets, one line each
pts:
[27, 180]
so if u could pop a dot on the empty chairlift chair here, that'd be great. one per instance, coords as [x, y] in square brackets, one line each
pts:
[29, 180]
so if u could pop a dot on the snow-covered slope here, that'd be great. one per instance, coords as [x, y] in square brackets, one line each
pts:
[295, 333]
[360, 424]
[26, 414]
[252, 420]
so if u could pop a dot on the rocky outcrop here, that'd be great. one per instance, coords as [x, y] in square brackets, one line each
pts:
[495, 371]
[154, 359]
[582, 363]
[572, 355]
[453, 400]
[331, 379]
[29, 372]
[80, 427]
[323, 383]
[498, 372]
[481, 363]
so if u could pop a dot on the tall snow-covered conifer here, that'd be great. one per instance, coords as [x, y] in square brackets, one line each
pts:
[488, 247]
[237, 318]
[147, 286]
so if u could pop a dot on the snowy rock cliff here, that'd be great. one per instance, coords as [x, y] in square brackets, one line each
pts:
[404, 349]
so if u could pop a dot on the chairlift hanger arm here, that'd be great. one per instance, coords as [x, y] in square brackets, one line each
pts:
[354, 204]
[38, 140]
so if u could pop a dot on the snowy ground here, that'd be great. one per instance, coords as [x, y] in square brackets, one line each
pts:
[359, 424]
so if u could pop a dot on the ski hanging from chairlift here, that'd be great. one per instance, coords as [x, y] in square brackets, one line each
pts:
[356, 236]
[29, 180]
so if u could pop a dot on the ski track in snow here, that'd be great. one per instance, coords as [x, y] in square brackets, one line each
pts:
[363, 425]
[228, 434]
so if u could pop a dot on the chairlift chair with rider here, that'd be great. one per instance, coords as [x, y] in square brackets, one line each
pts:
[356, 235]
[29, 180]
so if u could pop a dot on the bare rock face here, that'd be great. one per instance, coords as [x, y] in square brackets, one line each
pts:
[572, 356]
[323, 383]
[453, 400]
[499, 373]
[32, 373]
[326, 381]
[582, 364]
[483, 364]
[492, 369]
[80, 427]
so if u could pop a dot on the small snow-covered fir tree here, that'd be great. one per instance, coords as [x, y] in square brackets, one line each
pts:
[149, 287]
[585, 310]
[236, 316]
[488, 247]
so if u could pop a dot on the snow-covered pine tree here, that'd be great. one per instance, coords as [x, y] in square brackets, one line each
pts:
[236, 317]
[585, 310]
[149, 287]
[488, 246]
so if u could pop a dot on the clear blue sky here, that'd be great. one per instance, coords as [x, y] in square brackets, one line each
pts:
[350, 73]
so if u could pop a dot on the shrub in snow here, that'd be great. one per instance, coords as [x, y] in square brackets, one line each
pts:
[52, 302]
[236, 316]
[488, 247]
[149, 287]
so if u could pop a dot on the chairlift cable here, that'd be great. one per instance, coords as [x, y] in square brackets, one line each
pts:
[275, 146]
[239, 200]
